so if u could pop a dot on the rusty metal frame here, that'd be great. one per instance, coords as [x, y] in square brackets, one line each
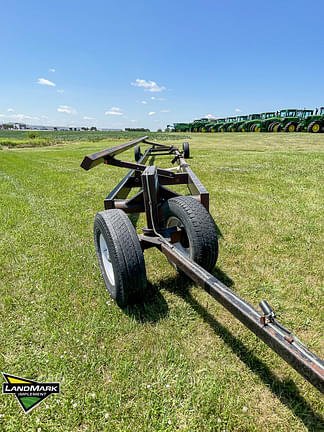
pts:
[151, 182]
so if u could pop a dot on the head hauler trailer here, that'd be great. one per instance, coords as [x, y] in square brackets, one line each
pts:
[184, 231]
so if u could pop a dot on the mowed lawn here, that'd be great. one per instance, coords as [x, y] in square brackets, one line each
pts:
[179, 361]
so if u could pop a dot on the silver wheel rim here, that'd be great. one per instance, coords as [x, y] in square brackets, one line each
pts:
[175, 222]
[106, 260]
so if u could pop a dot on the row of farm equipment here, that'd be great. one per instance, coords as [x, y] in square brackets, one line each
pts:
[288, 120]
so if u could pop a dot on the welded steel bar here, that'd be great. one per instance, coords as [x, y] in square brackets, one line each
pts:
[197, 188]
[179, 178]
[154, 144]
[123, 188]
[293, 352]
[136, 166]
[94, 159]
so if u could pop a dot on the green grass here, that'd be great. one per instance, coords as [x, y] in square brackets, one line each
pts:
[92, 136]
[179, 361]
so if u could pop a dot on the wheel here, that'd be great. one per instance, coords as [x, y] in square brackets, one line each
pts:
[275, 127]
[199, 237]
[299, 127]
[137, 153]
[241, 128]
[290, 127]
[120, 256]
[314, 127]
[186, 150]
[255, 128]
[270, 127]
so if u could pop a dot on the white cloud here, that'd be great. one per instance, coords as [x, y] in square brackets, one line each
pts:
[237, 110]
[66, 109]
[60, 91]
[23, 117]
[165, 111]
[157, 99]
[19, 117]
[114, 111]
[209, 116]
[11, 110]
[133, 121]
[151, 113]
[150, 86]
[144, 102]
[88, 118]
[51, 70]
[43, 81]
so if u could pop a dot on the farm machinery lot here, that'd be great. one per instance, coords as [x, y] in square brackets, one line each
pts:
[179, 360]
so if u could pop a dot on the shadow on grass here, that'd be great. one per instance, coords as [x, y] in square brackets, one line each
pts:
[134, 218]
[152, 308]
[287, 391]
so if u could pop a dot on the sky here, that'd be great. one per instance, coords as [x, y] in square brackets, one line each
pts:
[117, 64]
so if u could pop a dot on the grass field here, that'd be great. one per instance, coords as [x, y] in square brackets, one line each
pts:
[179, 361]
[21, 138]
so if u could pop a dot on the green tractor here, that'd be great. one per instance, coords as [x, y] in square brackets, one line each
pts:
[263, 123]
[227, 124]
[216, 125]
[313, 122]
[251, 121]
[180, 127]
[288, 120]
[198, 125]
[207, 126]
[235, 126]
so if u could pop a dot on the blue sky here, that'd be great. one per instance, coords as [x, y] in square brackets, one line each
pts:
[150, 63]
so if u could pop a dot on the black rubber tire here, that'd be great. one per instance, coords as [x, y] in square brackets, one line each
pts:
[299, 127]
[251, 128]
[200, 229]
[186, 150]
[279, 128]
[270, 127]
[287, 126]
[311, 125]
[137, 153]
[126, 256]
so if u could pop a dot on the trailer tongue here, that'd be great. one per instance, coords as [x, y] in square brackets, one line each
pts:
[182, 229]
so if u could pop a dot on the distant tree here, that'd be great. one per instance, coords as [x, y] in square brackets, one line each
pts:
[167, 129]
[93, 128]
[159, 130]
[137, 130]
[33, 134]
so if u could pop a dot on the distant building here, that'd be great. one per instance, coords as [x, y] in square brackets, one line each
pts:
[110, 130]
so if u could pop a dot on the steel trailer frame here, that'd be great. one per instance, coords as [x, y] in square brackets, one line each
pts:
[152, 181]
